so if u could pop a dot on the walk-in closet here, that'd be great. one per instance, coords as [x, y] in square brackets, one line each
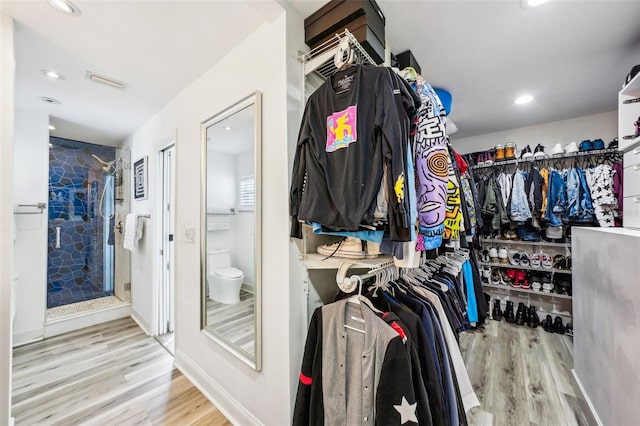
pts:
[320, 212]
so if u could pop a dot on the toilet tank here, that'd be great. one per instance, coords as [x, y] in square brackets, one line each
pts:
[218, 259]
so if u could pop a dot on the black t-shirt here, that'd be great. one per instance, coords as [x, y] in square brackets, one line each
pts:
[351, 126]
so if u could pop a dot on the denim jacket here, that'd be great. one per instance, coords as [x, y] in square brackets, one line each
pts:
[556, 199]
[579, 204]
[519, 210]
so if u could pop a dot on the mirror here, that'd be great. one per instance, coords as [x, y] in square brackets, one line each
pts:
[231, 229]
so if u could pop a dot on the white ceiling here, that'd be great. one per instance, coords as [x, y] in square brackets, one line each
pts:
[571, 55]
[157, 48]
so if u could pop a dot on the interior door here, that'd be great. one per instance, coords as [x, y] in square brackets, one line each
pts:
[167, 291]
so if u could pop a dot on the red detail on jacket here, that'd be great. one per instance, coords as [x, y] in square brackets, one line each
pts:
[305, 379]
[399, 330]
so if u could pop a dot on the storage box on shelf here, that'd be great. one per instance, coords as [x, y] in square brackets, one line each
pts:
[628, 113]
[362, 17]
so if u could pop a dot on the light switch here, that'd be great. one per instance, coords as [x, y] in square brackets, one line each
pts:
[190, 235]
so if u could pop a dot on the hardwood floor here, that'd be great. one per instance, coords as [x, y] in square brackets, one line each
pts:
[236, 323]
[112, 373]
[521, 376]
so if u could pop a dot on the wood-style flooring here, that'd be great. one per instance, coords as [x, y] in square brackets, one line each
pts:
[236, 322]
[522, 376]
[108, 374]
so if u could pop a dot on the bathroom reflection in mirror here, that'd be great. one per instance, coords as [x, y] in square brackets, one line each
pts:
[231, 223]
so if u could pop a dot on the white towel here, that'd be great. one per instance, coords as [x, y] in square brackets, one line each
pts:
[133, 227]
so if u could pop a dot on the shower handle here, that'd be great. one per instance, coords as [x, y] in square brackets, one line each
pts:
[57, 237]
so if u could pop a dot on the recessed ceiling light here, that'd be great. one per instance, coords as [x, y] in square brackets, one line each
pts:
[227, 127]
[65, 6]
[524, 99]
[52, 127]
[536, 2]
[49, 100]
[53, 75]
[106, 80]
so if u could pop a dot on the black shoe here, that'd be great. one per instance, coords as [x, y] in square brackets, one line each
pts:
[547, 324]
[568, 330]
[558, 327]
[534, 319]
[526, 153]
[508, 313]
[520, 314]
[497, 312]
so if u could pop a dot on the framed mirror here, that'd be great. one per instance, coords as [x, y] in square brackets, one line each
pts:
[231, 230]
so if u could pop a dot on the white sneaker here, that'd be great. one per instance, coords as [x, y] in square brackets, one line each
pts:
[557, 149]
[350, 248]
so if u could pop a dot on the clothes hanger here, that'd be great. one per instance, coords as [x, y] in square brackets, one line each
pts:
[344, 56]
[356, 300]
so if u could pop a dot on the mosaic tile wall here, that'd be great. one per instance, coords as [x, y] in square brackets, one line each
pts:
[76, 181]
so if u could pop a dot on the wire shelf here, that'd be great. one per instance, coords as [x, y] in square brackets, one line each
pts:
[319, 60]
[613, 152]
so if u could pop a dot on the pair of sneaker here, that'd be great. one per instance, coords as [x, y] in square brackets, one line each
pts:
[484, 159]
[517, 258]
[516, 278]
[496, 255]
[541, 260]
[350, 248]
[537, 154]
[588, 145]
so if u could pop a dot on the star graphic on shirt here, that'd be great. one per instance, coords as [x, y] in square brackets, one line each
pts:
[407, 411]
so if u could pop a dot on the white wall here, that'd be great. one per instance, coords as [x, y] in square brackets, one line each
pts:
[258, 63]
[31, 162]
[603, 126]
[7, 81]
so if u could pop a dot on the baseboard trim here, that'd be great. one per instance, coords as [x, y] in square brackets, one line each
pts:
[584, 400]
[229, 406]
[141, 320]
[26, 337]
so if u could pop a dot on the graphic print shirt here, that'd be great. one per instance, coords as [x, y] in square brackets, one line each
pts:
[350, 128]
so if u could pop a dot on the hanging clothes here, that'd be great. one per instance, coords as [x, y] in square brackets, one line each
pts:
[348, 377]
[600, 181]
[520, 211]
[431, 162]
[345, 138]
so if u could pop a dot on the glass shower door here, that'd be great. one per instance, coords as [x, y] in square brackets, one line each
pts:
[80, 236]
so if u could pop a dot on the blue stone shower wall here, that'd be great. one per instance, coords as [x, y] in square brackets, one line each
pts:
[76, 181]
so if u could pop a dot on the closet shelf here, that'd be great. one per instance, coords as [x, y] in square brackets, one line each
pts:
[524, 290]
[315, 261]
[497, 241]
[320, 59]
[527, 268]
[552, 158]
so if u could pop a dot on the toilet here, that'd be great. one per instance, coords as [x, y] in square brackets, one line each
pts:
[224, 281]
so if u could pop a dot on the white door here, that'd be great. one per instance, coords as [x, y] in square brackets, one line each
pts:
[166, 309]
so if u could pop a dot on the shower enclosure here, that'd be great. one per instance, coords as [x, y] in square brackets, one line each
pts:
[81, 241]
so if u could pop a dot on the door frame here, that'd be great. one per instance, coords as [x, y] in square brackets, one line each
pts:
[164, 251]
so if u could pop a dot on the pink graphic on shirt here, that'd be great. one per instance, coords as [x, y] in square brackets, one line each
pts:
[342, 129]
